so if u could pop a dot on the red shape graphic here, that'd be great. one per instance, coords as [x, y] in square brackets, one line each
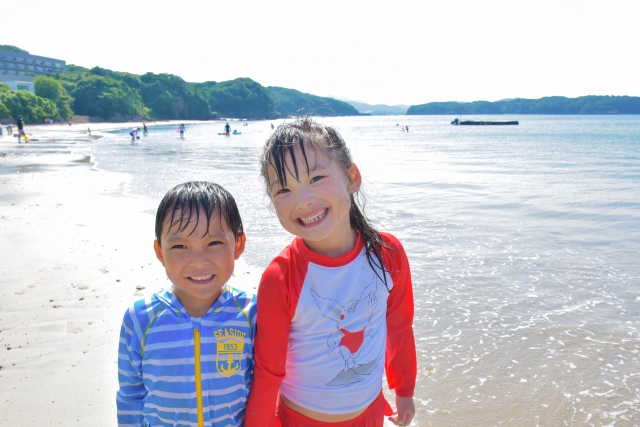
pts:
[352, 340]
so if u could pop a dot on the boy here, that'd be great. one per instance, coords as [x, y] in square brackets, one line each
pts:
[186, 354]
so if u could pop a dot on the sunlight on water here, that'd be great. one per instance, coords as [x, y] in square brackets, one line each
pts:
[523, 240]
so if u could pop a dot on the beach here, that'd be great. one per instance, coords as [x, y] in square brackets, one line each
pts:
[76, 252]
[523, 244]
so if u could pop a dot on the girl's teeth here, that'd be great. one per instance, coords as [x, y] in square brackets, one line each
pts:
[307, 221]
[201, 277]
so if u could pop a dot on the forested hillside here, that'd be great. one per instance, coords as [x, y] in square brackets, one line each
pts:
[547, 105]
[106, 95]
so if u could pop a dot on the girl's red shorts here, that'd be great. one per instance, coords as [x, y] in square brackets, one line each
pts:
[373, 416]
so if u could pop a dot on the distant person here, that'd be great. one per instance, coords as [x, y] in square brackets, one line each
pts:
[227, 128]
[21, 133]
[407, 128]
[69, 123]
[271, 125]
[134, 134]
[182, 130]
[145, 132]
[185, 353]
[1, 132]
[89, 131]
[10, 129]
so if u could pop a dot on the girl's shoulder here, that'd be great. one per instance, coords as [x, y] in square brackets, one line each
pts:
[391, 241]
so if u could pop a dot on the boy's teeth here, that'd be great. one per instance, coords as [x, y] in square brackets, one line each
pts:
[307, 221]
[201, 277]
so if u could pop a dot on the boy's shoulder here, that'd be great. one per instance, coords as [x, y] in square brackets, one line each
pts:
[146, 310]
[239, 297]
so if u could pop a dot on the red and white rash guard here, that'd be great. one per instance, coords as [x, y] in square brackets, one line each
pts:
[327, 327]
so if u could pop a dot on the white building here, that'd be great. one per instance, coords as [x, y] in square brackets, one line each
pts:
[17, 63]
[19, 82]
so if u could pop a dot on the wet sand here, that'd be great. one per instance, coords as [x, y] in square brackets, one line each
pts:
[76, 252]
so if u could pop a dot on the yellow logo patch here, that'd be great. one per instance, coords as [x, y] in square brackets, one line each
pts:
[229, 348]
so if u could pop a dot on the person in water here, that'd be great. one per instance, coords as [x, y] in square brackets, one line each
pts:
[182, 130]
[227, 128]
[134, 134]
[337, 302]
[145, 132]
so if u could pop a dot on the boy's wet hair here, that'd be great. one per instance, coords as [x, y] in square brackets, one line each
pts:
[313, 139]
[184, 201]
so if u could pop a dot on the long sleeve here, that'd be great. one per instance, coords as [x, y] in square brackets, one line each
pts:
[400, 356]
[278, 295]
[131, 394]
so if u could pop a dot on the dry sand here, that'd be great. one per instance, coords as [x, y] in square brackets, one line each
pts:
[76, 252]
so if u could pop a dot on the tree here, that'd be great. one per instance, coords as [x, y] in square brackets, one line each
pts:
[50, 88]
[105, 97]
[21, 102]
[241, 98]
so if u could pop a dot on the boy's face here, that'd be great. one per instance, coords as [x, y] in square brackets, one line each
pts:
[199, 261]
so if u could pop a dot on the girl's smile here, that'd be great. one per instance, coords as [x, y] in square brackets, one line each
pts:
[314, 219]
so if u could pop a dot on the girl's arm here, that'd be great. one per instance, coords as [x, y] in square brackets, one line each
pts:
[277, 298]
[400, 363]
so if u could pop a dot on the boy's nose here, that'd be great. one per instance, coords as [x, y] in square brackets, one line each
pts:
[198, 260]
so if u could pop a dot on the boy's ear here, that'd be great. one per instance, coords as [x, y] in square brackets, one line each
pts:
[158, 250]
[240, 241]
[355, 179]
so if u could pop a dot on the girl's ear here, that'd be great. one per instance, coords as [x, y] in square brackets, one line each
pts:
[158, 250]
[355, 179]
[240, 242]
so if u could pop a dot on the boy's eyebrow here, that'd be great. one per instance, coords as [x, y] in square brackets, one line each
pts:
[217, 235]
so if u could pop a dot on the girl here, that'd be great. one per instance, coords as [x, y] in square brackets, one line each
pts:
[336, 306]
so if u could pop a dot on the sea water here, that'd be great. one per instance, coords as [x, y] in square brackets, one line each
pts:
[524, 244]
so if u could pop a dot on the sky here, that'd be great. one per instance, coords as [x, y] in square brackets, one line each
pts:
[378, 52]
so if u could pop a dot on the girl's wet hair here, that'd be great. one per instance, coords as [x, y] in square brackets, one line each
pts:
[185, 201]
[312, 138]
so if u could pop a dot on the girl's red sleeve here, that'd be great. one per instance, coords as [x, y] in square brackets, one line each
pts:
[278, 295]
[400, 357]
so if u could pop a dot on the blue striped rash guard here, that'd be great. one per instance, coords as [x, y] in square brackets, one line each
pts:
[178, 370]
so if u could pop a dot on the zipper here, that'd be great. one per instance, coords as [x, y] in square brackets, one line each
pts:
[198, 372]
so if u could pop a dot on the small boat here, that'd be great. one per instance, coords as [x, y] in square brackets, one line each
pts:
[483, 122]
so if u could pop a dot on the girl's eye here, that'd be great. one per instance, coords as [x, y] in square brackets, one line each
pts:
[316, 178]
[215, 243]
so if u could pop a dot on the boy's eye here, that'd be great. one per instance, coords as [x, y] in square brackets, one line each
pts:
[282, 191]
[178, 247]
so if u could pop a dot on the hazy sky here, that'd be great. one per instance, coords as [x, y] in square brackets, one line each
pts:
[391, 52]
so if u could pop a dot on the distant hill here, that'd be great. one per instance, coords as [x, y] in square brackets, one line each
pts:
[379, 109]
[291, 102]
[549, 105]
[10, 48]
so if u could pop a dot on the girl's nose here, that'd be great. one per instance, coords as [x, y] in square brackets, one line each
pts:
[305, 198]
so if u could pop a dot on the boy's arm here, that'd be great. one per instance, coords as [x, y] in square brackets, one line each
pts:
[272, 339]
[400, 357]
[131, 394]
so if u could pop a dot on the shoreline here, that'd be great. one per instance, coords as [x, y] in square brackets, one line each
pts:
[77, 253]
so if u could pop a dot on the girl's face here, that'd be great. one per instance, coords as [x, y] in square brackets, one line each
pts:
[315, 205]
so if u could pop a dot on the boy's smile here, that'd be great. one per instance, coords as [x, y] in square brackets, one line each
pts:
[199, 260]
[315, 206]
